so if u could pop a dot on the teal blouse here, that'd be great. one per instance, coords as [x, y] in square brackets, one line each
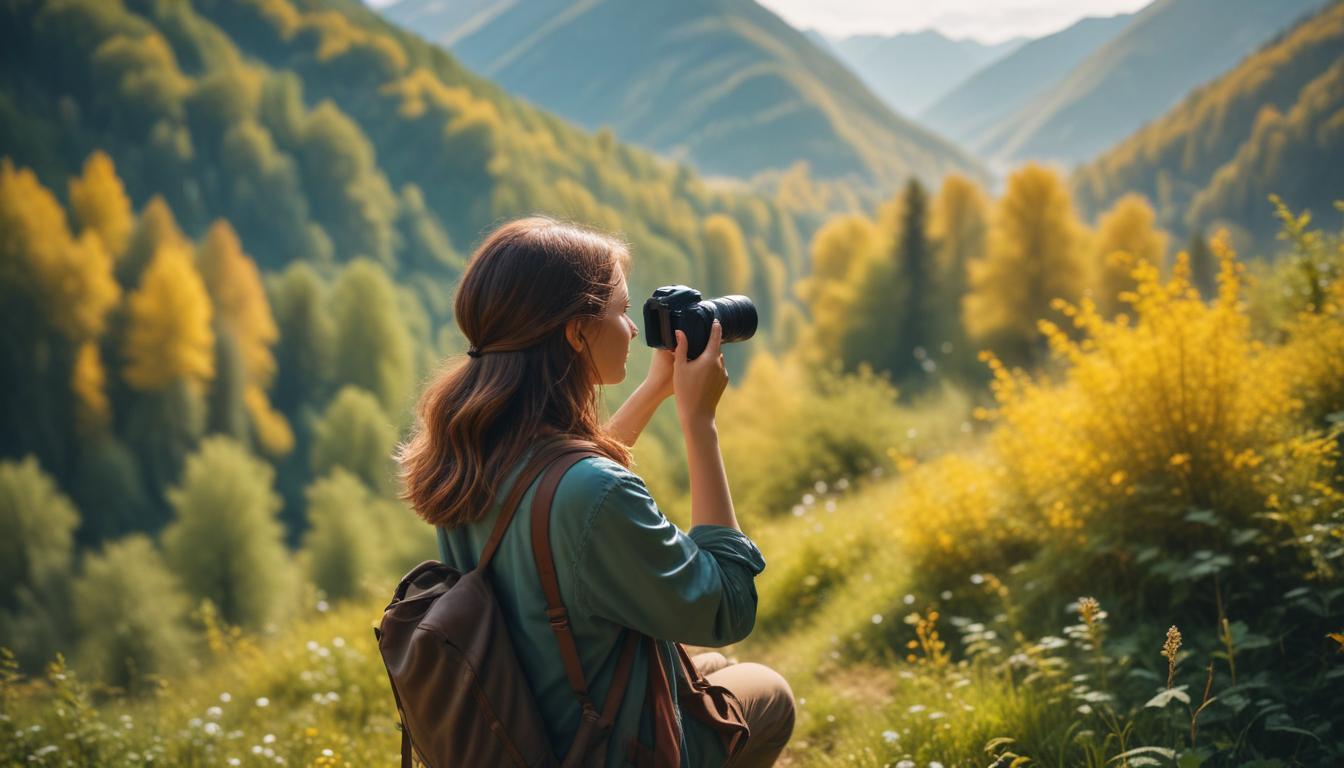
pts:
[621, 563]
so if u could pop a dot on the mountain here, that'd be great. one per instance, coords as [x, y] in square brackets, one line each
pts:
[910, 71]
[988, 97]
[724, 84]
[1170, 47]
[1274, 124]
[323, 133]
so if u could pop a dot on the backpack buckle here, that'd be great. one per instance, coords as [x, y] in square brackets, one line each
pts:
[559, 618]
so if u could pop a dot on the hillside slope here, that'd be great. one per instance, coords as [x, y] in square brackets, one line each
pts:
[324, 133]
[724, 84]
[1274, 124]
[1170, 47]
[991, 95]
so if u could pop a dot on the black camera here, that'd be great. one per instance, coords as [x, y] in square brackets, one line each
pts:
[679, 308]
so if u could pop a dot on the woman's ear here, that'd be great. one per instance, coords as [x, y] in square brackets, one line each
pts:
[574, 333]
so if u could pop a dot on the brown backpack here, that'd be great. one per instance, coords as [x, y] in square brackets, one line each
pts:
[461, 693]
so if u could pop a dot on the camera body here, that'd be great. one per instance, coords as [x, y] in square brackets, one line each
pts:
[681, 308]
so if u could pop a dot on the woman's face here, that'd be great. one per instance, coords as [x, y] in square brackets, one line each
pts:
[608, 337]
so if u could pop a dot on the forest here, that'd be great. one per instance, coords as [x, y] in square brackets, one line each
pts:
[1045, 467]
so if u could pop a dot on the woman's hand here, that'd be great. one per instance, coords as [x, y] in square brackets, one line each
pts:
[659, 381]
[699, 383]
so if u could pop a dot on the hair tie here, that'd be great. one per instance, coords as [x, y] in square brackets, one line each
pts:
[474, 352]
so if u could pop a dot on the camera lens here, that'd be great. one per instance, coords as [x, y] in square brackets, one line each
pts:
[737, 315]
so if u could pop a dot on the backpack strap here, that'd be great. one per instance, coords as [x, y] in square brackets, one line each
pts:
[591, 723]
[544, 455]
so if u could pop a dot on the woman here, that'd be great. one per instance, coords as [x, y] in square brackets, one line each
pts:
[543, 305]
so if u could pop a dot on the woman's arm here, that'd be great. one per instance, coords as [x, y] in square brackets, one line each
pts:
[630, 419]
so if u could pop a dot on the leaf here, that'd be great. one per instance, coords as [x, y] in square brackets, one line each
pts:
[1293, 729]
[999, 741]
[1202, 516]
[1191, 759]
[1130, 756]
[1165, 697]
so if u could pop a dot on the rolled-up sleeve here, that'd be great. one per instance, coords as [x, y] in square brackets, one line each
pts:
[639, 570]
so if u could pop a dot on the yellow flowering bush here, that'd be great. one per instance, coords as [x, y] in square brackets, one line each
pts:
[1179, 409]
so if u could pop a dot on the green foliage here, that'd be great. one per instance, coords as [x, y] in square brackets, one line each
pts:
[307, 337]
[37, 523]
[793, 428]
[355, 435]
[375, 349]
[131, 613]
[341, 544]
[224, 542]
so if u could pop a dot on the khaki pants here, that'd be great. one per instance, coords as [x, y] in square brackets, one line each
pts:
[766, 699]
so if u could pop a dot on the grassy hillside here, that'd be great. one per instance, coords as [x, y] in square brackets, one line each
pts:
[1025, 594]
[991, 95]
[910, 71]
[1270, 125]
[1170, 47]
[727, 86]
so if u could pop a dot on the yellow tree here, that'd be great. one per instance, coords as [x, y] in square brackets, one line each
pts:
[99, 202]
[55, 295]
[168, 335]
[842, 251]
[729, 266]
[1033, 257]
[1125, 236]
[239, 298]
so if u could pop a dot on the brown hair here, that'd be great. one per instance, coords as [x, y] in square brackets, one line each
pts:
[478, 416]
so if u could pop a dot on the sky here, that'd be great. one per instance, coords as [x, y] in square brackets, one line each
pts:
[989, 21]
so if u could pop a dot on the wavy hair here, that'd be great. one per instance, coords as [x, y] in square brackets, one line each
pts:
[479, 415]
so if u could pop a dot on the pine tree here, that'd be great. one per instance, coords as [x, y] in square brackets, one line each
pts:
[1126, 235]
[224, 542]
[1203, 266]
[915, 316]
[1032, 259]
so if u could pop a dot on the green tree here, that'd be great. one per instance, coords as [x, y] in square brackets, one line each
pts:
[354, 434]
[37, 524]
[225, 543]
[373, 348]
[1203, 266]
[341, 543]
[131, 613]
[307, 337]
